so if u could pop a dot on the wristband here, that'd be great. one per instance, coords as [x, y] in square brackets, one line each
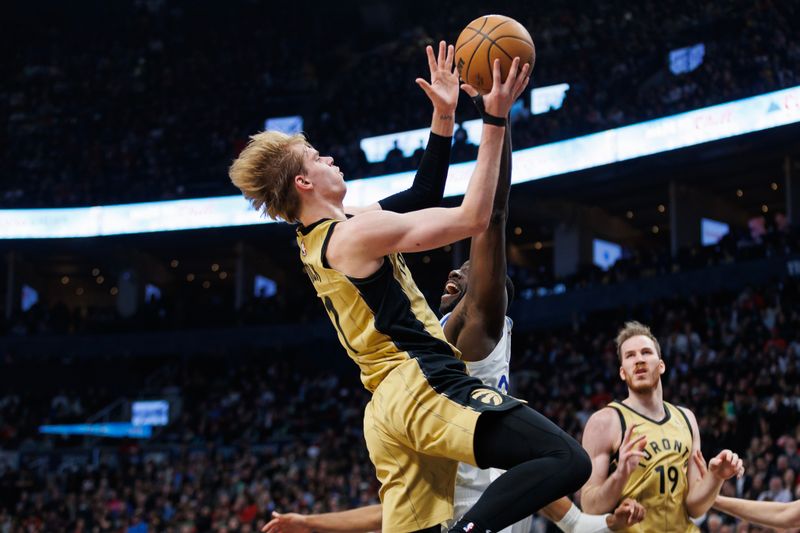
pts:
[486, 117]
[493, 120]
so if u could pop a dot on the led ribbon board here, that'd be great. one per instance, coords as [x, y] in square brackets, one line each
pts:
[117, 430]
[611, 146]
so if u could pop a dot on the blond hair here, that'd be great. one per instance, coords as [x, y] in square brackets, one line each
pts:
[265, 172]
[635, 329]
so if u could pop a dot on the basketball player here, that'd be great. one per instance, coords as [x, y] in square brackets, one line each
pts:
[778, 515]
[640, 447]
[426, 414]
[473, 305]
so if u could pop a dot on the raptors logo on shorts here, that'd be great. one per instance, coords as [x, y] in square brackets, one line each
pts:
[487, 396]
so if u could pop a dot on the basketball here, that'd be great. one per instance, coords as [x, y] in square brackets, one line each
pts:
[488, 38]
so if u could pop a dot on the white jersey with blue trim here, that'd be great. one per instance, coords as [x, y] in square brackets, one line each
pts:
[493, 369]
[472, 481]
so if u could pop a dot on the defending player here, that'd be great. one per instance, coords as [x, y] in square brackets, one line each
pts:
[640, 447]
[778, 515]
[473, 304]
[426, 414]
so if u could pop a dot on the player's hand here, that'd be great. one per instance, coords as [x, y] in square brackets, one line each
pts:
[286, 523]
[726, 465]
[630, 452]
[503, 94]
[628, 513]
[443, 88]
[700, 463]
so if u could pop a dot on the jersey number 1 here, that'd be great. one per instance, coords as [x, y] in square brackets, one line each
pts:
[335, 315]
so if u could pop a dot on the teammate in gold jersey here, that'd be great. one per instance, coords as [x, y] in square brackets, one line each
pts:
[426, 414]
[641, 447]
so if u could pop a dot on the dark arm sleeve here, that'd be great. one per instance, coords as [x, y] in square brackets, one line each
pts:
[428, 187]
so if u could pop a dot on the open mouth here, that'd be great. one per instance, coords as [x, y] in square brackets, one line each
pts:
[451, 288]
[640, 372]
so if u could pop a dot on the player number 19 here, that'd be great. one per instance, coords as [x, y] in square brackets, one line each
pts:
[672, 476]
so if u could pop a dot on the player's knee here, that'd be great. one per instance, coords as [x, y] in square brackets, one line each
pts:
[580, 465]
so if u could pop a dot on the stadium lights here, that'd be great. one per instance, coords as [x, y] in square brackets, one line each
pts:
[692, 128]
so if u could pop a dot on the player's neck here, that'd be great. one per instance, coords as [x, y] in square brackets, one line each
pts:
[314, 211]
[650, 403]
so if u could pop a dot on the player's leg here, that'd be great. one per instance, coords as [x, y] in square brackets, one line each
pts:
[416, 489]
[543, 464]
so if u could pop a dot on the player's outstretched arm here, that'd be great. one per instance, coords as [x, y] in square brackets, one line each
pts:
[771, 514]
[358, 244]
[427, 189]
[358, 520]
[703, 490]
[600, 438]
[476, 324]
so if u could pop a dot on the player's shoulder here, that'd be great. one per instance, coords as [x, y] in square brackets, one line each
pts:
[606, 421]
[603, 430]
[606, 415]
[687, 414]
[681, 409]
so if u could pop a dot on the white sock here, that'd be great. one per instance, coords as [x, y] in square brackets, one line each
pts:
[576, 521]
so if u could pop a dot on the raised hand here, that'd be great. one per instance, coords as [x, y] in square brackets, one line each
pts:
[630, 452]
[504, 93]
[286, 523]
[726, 465]
[628, 513]
[443, 87]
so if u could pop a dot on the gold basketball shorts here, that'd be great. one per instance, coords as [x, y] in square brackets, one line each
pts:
[419, 424]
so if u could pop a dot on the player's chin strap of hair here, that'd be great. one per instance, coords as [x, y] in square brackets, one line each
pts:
[486, 117]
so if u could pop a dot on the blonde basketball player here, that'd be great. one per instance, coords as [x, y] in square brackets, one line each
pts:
[640, 447]
[426, 414]
[474, 302]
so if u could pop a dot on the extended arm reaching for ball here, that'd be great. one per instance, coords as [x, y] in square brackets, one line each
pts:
[427, 190]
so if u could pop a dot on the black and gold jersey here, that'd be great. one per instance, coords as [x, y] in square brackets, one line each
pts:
[659, 482]
[382, 320]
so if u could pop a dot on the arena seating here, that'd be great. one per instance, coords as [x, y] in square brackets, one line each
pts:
[157, 101]
[262, 433]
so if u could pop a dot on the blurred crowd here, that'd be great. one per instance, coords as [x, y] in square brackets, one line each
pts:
[257, 434]
[157, 99]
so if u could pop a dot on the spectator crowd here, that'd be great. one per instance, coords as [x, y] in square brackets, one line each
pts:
[158, 98]
[262, 433]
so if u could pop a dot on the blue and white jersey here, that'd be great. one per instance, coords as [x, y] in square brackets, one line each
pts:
[472, 481]
[493, 369]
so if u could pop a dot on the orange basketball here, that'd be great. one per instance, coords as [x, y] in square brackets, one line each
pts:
[488, 38]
